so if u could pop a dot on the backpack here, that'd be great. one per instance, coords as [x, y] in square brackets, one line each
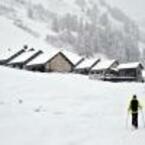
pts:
[134, 105]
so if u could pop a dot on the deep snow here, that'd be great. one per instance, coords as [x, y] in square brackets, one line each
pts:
[65, 109]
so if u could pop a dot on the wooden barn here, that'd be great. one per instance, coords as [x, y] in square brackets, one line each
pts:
[55, 61]
[9, 55]
[21, 60]
[85, 66]
[105, 68]
[131, 71]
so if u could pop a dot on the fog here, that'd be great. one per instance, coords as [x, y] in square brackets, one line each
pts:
[133, 8]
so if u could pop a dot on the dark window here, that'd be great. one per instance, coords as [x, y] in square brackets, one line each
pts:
[128, 72]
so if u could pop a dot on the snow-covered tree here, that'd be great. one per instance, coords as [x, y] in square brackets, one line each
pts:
[81, 4]
[55, 24]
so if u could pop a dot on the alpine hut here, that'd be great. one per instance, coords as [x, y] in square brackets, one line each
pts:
[105, 68]
[85, 66]
[39, 63]
[131, 71]
[54, 61]
[23, 59]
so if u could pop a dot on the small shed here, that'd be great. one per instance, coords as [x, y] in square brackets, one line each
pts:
[85, 66]
[105, 68]
[54, 61]
[21, 60]
[131, 71]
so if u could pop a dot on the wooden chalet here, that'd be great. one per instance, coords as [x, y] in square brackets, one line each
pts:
[21, 60]
[85, 66]
[55, 61]
[10, 55]
[130, 72]
[105, 68]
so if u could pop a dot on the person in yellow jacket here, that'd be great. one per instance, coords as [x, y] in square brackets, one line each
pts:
[133, 107]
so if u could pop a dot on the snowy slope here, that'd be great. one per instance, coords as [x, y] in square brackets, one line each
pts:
[60, 7]
[68, 24]
[59, 109]
[13, 38]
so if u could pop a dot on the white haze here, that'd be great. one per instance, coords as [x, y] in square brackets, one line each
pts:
[134, 8]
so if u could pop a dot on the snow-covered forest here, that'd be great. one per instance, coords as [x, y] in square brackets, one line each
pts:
[87, 27]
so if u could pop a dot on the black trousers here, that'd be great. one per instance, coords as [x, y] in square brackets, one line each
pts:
[135, 120]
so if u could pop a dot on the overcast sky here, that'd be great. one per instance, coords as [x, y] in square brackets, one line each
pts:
[134, 8]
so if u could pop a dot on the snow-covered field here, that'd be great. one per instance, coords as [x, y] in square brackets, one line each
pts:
[65, 109]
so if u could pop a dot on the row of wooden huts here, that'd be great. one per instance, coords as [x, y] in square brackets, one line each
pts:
[64, 61]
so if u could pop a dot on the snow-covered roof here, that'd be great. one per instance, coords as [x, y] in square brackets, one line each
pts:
[104, 64]
[87, 63]
[43, 58]
[129, 65]
[73, 57]
[47, 55]
[5, 54]
[23, 57]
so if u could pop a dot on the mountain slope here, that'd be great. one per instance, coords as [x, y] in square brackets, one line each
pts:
[13, 38]
[38, 109]
[84, 26]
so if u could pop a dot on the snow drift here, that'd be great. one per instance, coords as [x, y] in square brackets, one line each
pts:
[65, 109]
